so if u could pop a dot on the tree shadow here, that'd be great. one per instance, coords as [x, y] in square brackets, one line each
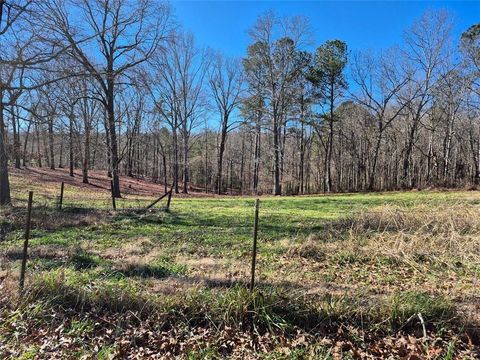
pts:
[156, 271]
[53, 258]
[267, 227]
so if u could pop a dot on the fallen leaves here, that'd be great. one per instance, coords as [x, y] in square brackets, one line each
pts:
[50, 335]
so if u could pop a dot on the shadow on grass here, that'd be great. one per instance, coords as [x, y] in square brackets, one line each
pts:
[78, 210]
[14, 255]
[49, 259]
[146, 271]
[271, 226]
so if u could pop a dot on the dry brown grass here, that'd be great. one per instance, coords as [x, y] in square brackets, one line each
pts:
[427, 248]
[441, 233]
[458, 218]
[438, 232]
[308, 250]
[391, 250]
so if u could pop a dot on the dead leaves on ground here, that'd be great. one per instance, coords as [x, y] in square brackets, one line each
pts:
[55, 335]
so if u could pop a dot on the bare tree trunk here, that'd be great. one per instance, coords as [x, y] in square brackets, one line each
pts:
[51, 142]
[175, 156]
[131, 155]
[5, 198]
[185, 165]
[221, 151]
[60, 155]
[475, 151]
[373, 170]
[95, 147]
[406, 178]
[231, 177]
[206, 161]
[70, 140]
[277, 188]
[39, 152]
[45, 146]
[302, 154]
[242, 165]
[446, 152]
[113, 136]
[328, 169]
[25, 142]
[477, 167]
[16, 138]
[86, 156]
[430, 156]
[165, 176]
[256, 165]
[108, 152]
[164, 165]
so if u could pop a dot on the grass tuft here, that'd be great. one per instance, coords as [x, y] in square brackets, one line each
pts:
[434, 309]
[83, 260]
[157, 269]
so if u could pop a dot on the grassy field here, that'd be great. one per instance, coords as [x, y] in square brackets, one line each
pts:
[391, 275]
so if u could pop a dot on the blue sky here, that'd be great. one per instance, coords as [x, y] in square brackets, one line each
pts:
[223, 25]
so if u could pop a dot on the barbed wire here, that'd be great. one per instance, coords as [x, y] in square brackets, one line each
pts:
[140, 203]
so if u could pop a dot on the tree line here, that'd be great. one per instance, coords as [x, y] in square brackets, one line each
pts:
[120, 86]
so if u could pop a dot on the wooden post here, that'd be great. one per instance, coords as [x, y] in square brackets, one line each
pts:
[60, 202]
[254, 250]
[114, 204]
[169, 200]
[25, 244]
[156, 201]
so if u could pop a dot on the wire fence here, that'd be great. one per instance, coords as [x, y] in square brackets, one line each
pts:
[99, 202]
[136, 202]
[102, 201]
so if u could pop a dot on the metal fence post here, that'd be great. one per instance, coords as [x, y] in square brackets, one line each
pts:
[25, 244]
[254, 250]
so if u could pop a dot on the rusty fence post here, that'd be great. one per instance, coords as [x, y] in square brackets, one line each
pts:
[25, 244]
[254, 250]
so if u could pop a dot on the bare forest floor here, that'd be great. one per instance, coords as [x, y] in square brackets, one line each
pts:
[353, 276]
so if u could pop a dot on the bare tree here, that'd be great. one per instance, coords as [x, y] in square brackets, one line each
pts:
[11, 69]
[379, 82]
[226, 82]
[427, 48]
[123, 34]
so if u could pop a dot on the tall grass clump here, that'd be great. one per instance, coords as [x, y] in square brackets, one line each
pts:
[436, 232]
[400, 307]
[265, 309]
[69, 289]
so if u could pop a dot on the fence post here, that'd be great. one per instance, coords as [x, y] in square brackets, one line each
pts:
[254, 250]
[168, 200]
[114, 204]
[25, 244]
[61, 196]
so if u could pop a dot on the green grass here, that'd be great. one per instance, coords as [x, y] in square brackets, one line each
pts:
[188, 268]
[223, 226]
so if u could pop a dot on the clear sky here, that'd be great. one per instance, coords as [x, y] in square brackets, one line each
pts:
[222, 25]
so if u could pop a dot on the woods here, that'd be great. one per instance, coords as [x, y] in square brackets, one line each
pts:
[151, 154]
[121, 87]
